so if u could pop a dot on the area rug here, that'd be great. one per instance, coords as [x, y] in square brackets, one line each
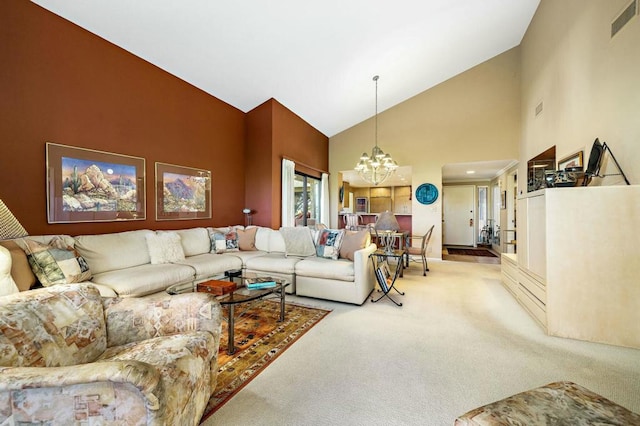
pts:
[470, 252]
[259, 339]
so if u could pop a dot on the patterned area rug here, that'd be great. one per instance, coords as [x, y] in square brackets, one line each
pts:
[471, 252]
[259, 339]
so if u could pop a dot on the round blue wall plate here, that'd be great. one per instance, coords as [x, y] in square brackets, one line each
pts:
[427, 193]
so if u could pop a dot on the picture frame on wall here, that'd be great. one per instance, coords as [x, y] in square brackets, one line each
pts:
[87, 185]
[503, 200]
[182, 192]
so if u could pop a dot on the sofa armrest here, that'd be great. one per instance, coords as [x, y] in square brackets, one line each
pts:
[135, 319]
[362, 266]
[142, 376]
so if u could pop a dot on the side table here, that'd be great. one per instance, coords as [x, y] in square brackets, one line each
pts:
[385, 279]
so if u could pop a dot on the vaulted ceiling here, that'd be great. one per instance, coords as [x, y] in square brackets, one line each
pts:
[317, 59]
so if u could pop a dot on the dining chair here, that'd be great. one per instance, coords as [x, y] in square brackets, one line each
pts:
[351, 221]
[419, 251]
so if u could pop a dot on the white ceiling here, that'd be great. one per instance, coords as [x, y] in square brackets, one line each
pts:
[316, 58]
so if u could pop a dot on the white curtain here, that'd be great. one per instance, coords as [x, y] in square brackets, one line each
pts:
[324, 200]
[288, 192]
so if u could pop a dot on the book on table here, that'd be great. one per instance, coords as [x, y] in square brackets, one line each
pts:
[382, 280]
[259, 283]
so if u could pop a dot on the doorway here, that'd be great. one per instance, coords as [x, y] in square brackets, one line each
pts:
[458, 215]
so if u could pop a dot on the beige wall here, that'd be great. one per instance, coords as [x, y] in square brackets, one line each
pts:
[588, 82]
[474, 116]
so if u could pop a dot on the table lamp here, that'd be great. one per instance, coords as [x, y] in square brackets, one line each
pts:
[387, 224]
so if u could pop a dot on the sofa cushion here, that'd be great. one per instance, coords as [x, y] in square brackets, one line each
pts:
[210, 265]
[56, 263]
[224, 240]
[145, 279]
[263, 235]
[273, 262]
[354, 241]
[164, 247]
[52, 327]
[108, 252]
[7, 284]
[194, 241]
[298, 241]
[244, 256]
[247, 239]
[20, 270]
[276, 242]
[318, 267]
[329, 242]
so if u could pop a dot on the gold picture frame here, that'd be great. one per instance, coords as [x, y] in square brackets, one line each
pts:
[182, 193]
[572, 160]
[86, 185]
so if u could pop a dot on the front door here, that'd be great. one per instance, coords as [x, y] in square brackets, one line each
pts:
[458, 213]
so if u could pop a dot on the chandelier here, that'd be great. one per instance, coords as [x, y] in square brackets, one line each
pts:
[379, 166]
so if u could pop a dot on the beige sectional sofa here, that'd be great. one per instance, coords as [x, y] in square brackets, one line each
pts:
[124, 264]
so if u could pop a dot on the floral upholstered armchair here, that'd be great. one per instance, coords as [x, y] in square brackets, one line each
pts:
[69, 356]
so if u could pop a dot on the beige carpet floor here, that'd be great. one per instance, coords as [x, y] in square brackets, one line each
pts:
[459, 341]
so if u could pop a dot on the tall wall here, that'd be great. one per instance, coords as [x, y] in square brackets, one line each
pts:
[587, 81]
[274, 132]
[474, 116]
[60, 83]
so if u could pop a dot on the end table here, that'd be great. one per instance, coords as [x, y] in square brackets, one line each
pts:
[385, 279]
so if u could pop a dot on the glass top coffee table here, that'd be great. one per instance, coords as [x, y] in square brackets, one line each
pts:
[243, 295]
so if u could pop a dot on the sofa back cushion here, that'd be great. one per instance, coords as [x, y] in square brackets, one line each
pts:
[108, 252]
[276, 242]
[52, 327]
[263, 235]
[194, 241]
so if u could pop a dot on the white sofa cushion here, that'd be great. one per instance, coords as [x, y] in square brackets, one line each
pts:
[209, 265]
[107, 252]
[244, 256]
[276, 242]
[319, 267]
[273, 262]
[141, 280]
[164, 247]
[263, 235]
[194, 241]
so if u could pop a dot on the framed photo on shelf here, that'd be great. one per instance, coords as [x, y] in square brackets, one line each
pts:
[182, 192]
[86, 185]
[573, 160]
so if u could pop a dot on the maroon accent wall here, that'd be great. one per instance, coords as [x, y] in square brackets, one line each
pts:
[60, 83]
[274, 132]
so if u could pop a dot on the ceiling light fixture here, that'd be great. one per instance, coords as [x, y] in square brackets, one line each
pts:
[379, 166]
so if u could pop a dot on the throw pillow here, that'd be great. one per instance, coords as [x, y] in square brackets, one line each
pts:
[56, 263]
[298, 241]
[247, 239]
[7, 285]
[223, 240]
[20, 269]
[352, 242]
[164, 247]
[329, 242]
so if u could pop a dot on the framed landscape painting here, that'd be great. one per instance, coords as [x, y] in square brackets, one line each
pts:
[182, 192]
[85, 185]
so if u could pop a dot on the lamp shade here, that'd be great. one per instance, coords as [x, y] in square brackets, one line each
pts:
[387, 222]
[9, 225]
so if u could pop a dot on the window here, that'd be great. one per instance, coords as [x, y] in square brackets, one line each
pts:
[307, 200]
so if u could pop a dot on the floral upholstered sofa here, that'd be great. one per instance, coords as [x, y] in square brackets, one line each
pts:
[71, 357]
